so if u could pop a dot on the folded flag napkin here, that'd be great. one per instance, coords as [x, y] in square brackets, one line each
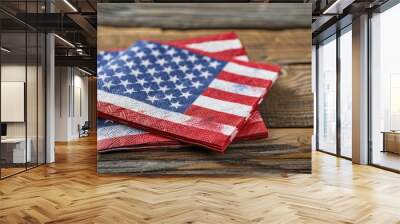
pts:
[184, 94]
[113, 135]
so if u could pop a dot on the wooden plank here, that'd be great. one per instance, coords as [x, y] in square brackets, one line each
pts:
[287, 151]
[290, 102]
[205, 15]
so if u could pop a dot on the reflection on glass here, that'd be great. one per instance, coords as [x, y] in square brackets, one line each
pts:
[41, 99]
[346, 94]
[14, 153]
[327, 96]
[31, 97]
[385, 84]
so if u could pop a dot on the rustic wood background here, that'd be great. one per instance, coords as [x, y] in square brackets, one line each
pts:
[287, 110]
[285, 151]
[205, 15]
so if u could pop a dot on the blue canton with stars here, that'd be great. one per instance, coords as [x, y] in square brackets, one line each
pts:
[160, 75]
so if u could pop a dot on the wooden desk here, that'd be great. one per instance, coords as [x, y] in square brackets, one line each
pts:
[13, 150]
[391, 141]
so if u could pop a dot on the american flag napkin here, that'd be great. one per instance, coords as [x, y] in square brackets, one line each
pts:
[113, 135]
[183, 94]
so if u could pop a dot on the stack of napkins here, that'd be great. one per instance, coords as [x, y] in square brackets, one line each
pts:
[200, 91]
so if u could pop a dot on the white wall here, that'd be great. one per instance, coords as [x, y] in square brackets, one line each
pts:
[70, 83]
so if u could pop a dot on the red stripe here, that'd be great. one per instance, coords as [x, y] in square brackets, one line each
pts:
[255, 117]
[255, 130]
[189, 134]
[214, 116]
[227, 76]
[231, 97]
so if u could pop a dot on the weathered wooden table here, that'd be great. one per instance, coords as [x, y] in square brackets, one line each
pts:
[287, 110]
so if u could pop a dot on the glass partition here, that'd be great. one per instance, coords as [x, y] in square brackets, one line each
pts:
[22, 77]
[327, 95]
[346, 93]
[385, 89]
[13, 95]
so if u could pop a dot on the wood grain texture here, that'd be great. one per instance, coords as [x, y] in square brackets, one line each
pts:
[70, 191]
[286, 150]
[289, 103]
[205, 15]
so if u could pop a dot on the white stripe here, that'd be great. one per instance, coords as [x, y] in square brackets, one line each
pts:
[155, 112]
[223, 106]
[114, 131]
[242, 58]
[250, 72]
[237, 88]
[216, 45]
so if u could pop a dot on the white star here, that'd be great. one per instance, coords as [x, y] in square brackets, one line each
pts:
[214, 64]
[161, 61]
[135, 49]
[205, 74]
[150, 45]
[124, 57]
[156, 53]
[185, 94]
[168, 70]
[140, 54]
[171, 52]
[147, 90]
[183, 68]
[164, 89]
[108, 121]
[99, 69]
[169, 97]
[196, 84]
[173, 78]
[189, 76]
[152, 71]
[146, 63]
[207, 58]
[114, 67]
[136, 72]
[130, 64]
[180, 87]
[119, 75]
[157, 80]
[108, 84]
[129, 91]
[125, 83]
[141, 81]
[101, 76]
[101, 52]
[176, 105]
[177, 60]
[107, 57]
[192, 58]
[152, 98]
[198, 67]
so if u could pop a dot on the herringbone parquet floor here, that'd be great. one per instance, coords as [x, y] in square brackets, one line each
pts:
[70, 191]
